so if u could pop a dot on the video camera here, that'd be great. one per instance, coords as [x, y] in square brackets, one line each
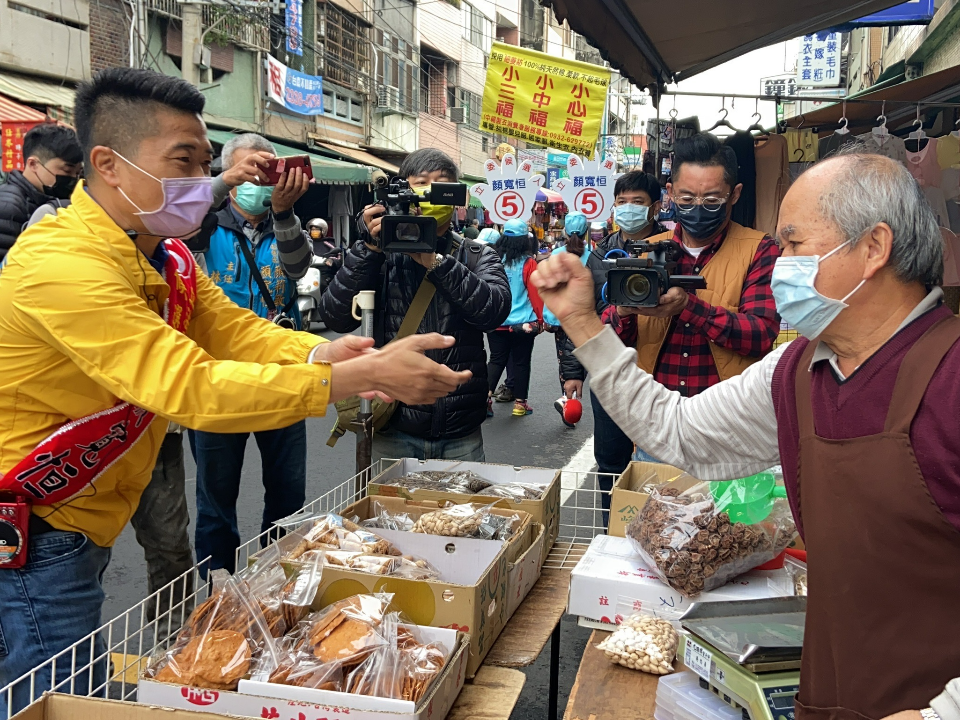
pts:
[403, 232]
[639, 282]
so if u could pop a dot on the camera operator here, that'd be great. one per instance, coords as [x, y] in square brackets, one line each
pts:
[472, 297]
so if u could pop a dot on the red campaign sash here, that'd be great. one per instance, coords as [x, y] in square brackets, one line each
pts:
[78, 453]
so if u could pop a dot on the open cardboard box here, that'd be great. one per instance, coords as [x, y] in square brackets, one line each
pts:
[55, 706]
[630, 492]
[545, 511]
[268, 700]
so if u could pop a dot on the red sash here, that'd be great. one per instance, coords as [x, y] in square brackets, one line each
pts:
[78, 453]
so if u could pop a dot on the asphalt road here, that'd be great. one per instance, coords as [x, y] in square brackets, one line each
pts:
[539, 439]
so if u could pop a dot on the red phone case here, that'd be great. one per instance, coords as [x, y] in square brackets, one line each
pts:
[277, 166]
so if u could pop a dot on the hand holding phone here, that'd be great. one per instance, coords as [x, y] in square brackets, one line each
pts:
[278, 166]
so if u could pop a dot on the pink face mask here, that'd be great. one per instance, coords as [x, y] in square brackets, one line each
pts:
[186, 201]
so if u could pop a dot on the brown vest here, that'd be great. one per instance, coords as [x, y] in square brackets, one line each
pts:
[725, 275]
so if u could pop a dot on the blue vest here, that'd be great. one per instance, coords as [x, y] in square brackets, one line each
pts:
[548, 317]
[229, 269]
[521, 311]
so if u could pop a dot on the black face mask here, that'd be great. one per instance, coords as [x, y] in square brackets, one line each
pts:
[62, 188]
[701, 223]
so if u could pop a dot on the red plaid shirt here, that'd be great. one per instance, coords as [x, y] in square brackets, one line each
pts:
[686, 363]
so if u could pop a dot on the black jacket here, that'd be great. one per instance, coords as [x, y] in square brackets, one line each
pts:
[570, 367]
[466, 305]
[18, 200]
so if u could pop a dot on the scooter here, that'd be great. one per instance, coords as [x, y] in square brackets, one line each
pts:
[311, 286]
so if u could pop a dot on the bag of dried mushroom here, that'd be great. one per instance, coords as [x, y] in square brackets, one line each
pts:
[693, 547]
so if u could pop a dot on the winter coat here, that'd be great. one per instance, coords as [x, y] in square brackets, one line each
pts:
[466, 305]
[18, 200]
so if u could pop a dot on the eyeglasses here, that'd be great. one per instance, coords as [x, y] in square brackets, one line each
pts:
[711, 203]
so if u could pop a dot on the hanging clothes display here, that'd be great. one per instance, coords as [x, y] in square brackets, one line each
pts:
[889, 146]
[773, 180]
[833, 142]
[744, 212]
[923, 163]
[341, 211]
[948, 151]
[801, 145]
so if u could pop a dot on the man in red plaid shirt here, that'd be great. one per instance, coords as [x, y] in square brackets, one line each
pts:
[692, 341]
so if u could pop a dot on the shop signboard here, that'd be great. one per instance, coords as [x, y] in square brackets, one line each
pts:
[294, 25]
[13, 133]
[916, 12]
[510, 190]
[589, 187]
[818, 62]
[535, 97]
[779, 85]
[537, 159]
[557, 158]
[296, 91]
[553, 174]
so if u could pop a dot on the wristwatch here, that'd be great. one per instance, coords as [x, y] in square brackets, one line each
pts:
[282, 215]
[929, 714]
[437, 259]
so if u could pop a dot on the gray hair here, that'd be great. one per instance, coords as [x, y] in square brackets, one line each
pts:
[246, 141]
[868, 189]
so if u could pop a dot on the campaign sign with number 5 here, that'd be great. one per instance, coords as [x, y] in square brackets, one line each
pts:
[589, 187]
[510, 190]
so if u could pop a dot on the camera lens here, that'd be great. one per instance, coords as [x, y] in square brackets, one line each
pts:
[637, 287]
[408, 232]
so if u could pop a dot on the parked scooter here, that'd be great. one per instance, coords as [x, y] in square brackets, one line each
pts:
[327, 259]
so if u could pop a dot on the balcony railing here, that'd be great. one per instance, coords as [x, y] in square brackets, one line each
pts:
[248, 27]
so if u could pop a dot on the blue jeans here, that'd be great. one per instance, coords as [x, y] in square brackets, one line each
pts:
[395, 444]
[46, 606]
[219, 457]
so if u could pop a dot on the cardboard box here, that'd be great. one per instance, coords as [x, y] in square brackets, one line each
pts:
[629, 492]
[611, 579]
[54, 706]
[545, 511]
[265, 700]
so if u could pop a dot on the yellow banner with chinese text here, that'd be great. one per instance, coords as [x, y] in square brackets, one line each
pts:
[545, 100]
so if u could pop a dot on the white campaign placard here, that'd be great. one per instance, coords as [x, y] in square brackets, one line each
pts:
[589, 187]
[510, 190]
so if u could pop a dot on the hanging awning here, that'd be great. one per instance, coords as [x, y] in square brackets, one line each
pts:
[361, 156]
[327, 171]
[942, 86]
[11, 111]
[653, 45]
[36, 92]
[548, 196]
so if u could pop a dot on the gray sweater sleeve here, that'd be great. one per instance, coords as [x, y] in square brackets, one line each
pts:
[296, 251]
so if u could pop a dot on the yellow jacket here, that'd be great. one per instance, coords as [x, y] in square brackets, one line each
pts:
[80, 327]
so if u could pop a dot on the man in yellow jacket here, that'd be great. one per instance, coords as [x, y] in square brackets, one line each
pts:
[90, 329]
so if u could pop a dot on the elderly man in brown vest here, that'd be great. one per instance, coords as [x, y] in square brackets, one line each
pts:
[691, 342]
[862, 415]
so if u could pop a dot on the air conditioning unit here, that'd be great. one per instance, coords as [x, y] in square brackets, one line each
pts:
[387, 98]
[458, 115]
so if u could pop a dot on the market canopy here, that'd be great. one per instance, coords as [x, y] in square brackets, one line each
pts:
[653, 44]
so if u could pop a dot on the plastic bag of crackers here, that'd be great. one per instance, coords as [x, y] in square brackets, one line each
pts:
[283, 594]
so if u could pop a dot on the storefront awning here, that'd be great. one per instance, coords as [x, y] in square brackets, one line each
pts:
[11, 111]
[36, 92]
[653, 44]
[327, 171]
[361, 156]
[941, 86]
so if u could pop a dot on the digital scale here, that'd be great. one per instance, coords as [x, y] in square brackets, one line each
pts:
[747, 652]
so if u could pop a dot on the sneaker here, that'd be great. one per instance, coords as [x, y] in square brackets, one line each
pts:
[503, 394]
[489, 407]
[558, 405]
[521, 408]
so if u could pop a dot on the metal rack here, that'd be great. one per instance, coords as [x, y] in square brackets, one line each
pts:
[107, 663]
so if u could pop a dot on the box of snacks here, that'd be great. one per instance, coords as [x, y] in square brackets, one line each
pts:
[359, 658]
[532, 490]
[441, 581]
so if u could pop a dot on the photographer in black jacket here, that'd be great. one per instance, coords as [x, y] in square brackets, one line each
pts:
[472, 297]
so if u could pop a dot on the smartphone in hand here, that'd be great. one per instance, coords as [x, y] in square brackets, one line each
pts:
[278, 166]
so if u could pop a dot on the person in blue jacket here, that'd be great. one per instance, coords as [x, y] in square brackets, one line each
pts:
[257, 232]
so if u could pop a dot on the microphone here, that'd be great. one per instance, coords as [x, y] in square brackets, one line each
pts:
[132, 234]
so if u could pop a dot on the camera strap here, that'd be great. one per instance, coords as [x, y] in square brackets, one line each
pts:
[264, 290]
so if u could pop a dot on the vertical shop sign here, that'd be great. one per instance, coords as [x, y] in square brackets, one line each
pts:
[12, 133]
[818, 63]
[294, 22]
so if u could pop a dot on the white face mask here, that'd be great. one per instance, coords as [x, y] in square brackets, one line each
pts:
[798, 300]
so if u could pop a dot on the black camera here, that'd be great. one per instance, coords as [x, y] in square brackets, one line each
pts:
[639, 282]
[403, 232]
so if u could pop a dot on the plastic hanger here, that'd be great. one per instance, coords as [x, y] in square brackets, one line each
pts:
[880, 132]
[844, 123]
[722, 122]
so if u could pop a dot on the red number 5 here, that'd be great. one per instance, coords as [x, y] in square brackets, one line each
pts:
[589, 203]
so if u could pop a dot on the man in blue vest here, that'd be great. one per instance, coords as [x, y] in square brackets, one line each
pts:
[258, 236]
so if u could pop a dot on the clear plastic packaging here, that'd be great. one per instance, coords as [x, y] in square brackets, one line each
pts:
[465, 482]
[373, 564]
[643, 642]
[383, 519]
[797, 572]
[515, 491]
[346, 631]
[467, 520]
[332, 532]
[694, 548]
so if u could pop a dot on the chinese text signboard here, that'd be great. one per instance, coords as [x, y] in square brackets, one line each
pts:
[510, 190]
[297, 92]
[779, 85]
[13, 133]
[589, 187]
[818, 64]
[538, 98]
[294, 18]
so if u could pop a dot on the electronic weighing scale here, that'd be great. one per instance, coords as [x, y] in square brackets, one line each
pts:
[747, 652]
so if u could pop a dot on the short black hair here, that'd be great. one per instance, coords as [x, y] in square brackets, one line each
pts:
[48, 141]
[116, 109]
[428, 160]
[705, 149]
[637, 180]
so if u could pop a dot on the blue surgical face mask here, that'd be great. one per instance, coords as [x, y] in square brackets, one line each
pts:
[253, 198]
[798, 300]
[631, 218]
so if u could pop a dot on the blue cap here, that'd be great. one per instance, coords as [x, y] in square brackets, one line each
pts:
[575, 223]
[515, 228]
[488, 235]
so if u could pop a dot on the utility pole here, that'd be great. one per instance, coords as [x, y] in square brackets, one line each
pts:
[138, 46]
[192, 41]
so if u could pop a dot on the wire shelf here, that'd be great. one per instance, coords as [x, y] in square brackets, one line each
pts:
[108, 662]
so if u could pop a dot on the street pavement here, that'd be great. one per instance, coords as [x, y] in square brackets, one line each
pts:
[539, 439]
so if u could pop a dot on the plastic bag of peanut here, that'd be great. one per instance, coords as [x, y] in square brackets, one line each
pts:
[467, 520]
[643, 643]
